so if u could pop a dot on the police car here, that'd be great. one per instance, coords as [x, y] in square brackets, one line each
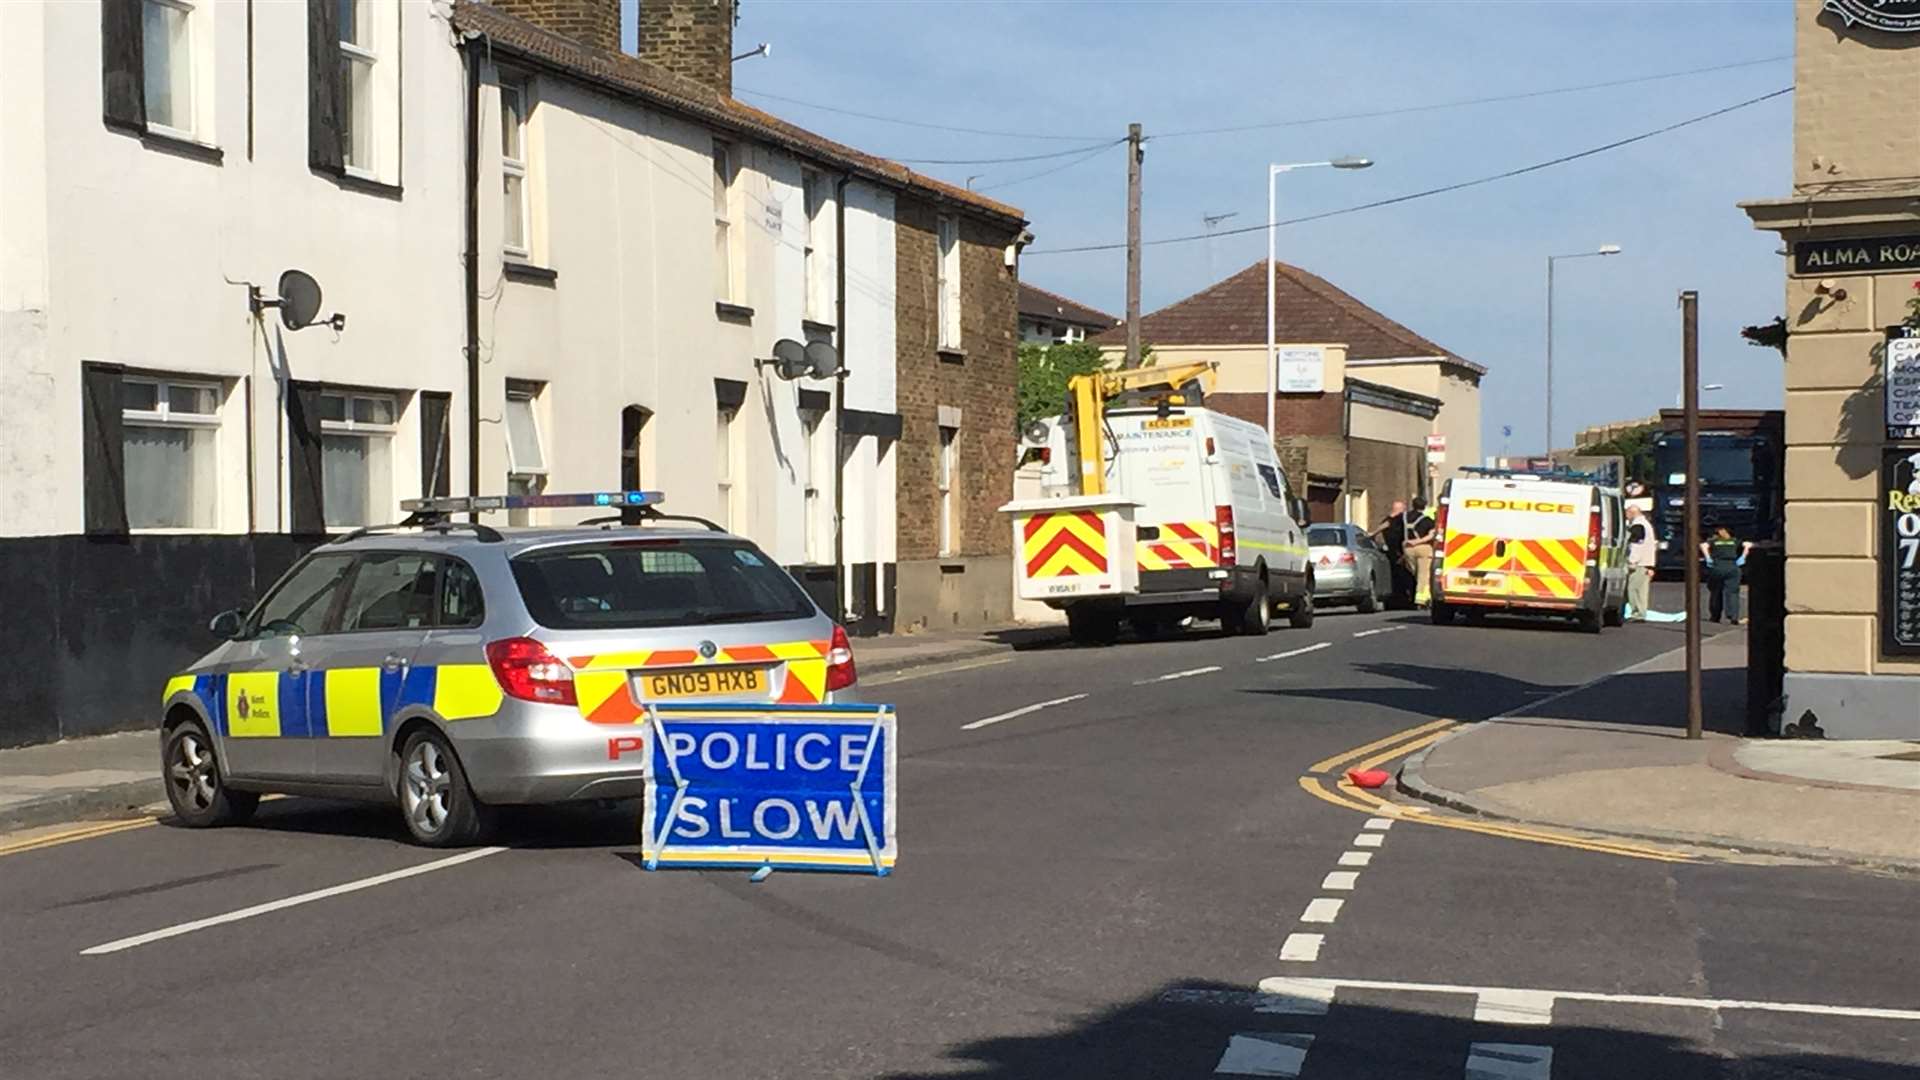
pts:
[452, 667]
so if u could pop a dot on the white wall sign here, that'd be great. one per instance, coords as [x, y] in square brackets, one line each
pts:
[1903, 382]
[1436, 449]
[1302, 370]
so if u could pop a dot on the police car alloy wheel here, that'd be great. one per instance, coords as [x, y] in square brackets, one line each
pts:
[439, 807]
[195, 789]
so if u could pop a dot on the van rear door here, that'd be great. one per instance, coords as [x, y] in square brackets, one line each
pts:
[1161, 463]
[1516, 540]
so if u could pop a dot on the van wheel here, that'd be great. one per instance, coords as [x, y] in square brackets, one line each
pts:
[1153, 629]
[1092, 627]
[1252, 619]
[1442, 614]
[1301, 616]
[1588, 621]
[435, 800]
[1616, 615]
[196, 789]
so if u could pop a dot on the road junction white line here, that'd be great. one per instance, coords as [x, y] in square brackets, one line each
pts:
[1293, 652]
[1188, 674]
[1022, 711]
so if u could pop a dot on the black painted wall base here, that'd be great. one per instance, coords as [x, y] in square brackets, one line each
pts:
[95, 627]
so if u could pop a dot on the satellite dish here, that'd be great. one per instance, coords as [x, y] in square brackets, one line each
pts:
[823, 359]
[790, 359]
[299, 299]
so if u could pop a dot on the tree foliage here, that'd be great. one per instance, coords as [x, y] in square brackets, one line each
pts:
[1044, 371]
[1636, 447]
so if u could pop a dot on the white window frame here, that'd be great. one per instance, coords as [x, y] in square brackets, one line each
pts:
[813, 206]
[163, 416]
[349, 426]
[190, 59]
[946, 463]
[947, 241]
[363, 52]
[531, 393]
[726, 175]
[517, 167]
[726, 462]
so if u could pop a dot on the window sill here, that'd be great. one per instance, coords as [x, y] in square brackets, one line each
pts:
[733, 313]
[815, 326]
[948, 566]
[515, 270]
[363, 182]
[951, 356]
[179, 144]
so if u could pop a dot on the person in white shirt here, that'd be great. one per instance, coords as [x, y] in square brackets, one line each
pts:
[1642, 551]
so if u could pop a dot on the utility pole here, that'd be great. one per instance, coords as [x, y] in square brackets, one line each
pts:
[1690, 393]
[1133, 245]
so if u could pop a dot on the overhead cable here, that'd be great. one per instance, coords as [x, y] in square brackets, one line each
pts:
[1430, 191]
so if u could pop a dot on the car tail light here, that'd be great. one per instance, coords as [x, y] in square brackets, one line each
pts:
[1440, 528]
[526, 670]
[1593, 534]
[840, 673]
[1346, 558]
[1223, 518]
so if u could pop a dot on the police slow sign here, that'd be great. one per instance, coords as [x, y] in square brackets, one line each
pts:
[804, 787]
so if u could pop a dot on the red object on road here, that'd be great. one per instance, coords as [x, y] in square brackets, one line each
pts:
[1369, 778]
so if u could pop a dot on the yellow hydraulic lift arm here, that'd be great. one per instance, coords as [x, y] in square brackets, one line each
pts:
[1087, 398]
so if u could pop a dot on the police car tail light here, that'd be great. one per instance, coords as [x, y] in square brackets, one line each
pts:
[840, 673]
[1223, 518]
[526, 670]
[1440, 527]
[1593, 534]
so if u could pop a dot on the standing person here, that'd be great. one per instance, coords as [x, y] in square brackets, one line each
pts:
[1392, 535]
[1642, 553]
[1724, 557]
[1419, 548]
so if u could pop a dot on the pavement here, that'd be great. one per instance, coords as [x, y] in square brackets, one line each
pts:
[1612, 758]
[112, 776]
[1115, 863]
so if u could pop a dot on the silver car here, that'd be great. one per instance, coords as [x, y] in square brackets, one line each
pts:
[1348, 567]
[455, 668]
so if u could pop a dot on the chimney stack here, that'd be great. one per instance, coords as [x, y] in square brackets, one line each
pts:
[691, 38]
[591, 22]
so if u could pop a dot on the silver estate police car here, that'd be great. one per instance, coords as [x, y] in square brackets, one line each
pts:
[453, 667]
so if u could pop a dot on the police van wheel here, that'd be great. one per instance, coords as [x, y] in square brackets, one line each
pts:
[196, 790]
[1252, 619]
[435, 800]
[1092, 627]
[1616, 616]
[1441, 614]
[1588, 621]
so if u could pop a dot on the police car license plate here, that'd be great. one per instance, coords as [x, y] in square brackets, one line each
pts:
[710, 682]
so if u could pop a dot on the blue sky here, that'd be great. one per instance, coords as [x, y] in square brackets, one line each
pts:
[1465, 269]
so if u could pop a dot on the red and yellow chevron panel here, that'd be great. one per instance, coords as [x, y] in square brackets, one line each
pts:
[1181, 545]
[601, 681]
[1068, 543]
[1532, 569]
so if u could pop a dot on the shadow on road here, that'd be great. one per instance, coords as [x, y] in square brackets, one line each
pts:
[528, 827]
[1150, 1038]
[1655, 699]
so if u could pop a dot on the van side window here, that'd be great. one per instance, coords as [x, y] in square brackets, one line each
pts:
[1272, 476]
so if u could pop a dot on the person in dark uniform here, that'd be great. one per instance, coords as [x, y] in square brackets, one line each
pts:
[1392, 535]
[1724, 556]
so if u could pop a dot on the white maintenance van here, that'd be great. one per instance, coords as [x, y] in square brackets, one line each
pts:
[1156, 510]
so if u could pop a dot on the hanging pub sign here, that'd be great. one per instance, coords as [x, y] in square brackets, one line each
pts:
[1902, 382]
[1893, 16]
[1859, 254]
[1899, 512]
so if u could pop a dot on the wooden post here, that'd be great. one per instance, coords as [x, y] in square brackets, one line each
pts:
[1690, 366]
[1133, 246]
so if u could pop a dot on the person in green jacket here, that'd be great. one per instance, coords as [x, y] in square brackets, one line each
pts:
[1724, 556]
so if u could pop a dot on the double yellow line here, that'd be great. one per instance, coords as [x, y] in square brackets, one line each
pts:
[74, 835]
[1325, 780]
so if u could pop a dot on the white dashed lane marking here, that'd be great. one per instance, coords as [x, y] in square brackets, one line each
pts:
[1377, 630]
[1022, 711]
[1264, 1054]
[1293, 652]
[1340, 880]
[1322, 909]
[1302, 947]
[1188, 674]
[1378, 824]
[1369, 839]
[1355, 858]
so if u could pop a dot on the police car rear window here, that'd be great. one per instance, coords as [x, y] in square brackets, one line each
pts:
[630, 584]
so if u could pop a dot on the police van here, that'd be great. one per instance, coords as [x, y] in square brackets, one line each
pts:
[449, 668]
[1550, 543]
[1219, 533]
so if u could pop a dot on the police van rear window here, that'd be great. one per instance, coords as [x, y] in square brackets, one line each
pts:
[631, 584]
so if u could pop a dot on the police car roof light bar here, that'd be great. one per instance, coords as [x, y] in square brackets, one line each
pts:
[473, 504]
[1558, 472]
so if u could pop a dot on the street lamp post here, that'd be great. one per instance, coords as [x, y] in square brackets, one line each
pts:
[1604, 249]
[1273, 176]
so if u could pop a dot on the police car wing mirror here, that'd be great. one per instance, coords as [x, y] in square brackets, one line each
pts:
[227, 625]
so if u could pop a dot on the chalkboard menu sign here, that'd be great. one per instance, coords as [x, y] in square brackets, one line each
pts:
[1900, 552]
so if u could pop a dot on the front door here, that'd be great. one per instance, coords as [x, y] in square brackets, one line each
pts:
[361, 671]
[264, 728]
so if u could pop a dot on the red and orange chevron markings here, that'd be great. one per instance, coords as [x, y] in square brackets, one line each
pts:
[1065, 544]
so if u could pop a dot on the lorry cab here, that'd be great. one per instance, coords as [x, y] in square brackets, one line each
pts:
[1218, 533]
[1530, 543]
